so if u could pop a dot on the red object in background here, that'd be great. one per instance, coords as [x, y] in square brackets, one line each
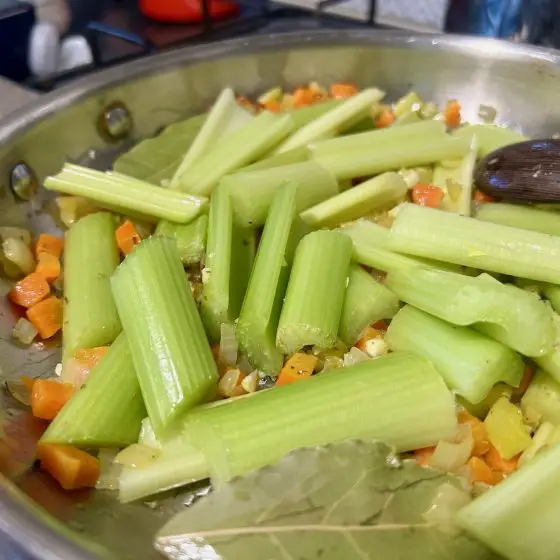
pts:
[187, 11]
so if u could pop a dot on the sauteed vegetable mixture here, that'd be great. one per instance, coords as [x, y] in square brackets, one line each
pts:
[307, 268]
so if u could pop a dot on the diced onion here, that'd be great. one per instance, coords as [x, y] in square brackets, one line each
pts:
[354, 356]
[74, 372]
[17, 233]
[136, 455]
[487, 113]
[24, 331]
[109, 470]
[376, 347]
[450, 456]
[249, 383]
[447, 502]
[230, 384]
[18, 253]
[332, 362]
[410, 176]
[228, 345]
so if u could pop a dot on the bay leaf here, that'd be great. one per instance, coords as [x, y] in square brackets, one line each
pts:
[352, 500]
[156, 159]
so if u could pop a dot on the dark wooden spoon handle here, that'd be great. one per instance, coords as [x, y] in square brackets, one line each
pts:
[527, 171]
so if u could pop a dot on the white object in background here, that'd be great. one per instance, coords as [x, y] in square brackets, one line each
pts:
[44, 49]
[74, 52]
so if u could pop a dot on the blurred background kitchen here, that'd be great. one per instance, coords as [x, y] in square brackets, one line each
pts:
[44, 43]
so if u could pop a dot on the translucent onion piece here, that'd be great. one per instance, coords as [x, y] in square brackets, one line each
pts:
[249, 383]
[354, 356]
[24, 331]
[447, 501]
[109, 470]
[228, 345]
[136, 455]
[19, 392]
[230, 384]
[74, 372]
[18, 253]
[332, 362]
[451, 456]
[17, 233]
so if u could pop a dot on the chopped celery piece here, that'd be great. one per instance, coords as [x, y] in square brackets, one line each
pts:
[399, 399]
[378, 138]
[147, 435]
[489, 137]
[224, 117]
[542, 439]
[498, 310]
[368, 197]
[551, 362]
[552, 294]
[90, 257]
[409, 118]
[469, 362]
[481, 409]
[297, 155]
[379, 157]
[169, 349]
[443, 236]
[518, 518]
[258, 320]
[541, 401]
[252, 192]
[315, 294]
[407, 103]
[190, 238]
[506, 430]
[126, 194]
[365, 302]
[521, 217]
[235, 150]
[457, 182]
[302, 116]
[333, 120]
[229, 257]
[108, 410]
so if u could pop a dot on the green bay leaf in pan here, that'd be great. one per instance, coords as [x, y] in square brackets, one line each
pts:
[157, 158]
[351, 500]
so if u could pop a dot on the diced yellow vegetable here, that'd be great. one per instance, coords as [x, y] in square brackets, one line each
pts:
[506, 429]
[481, 409]
[541, 401]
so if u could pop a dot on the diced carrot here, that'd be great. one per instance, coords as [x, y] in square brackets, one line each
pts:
[27, 382]
[381, 325]
[528, 373]
[273, 106]
[46, 316]
[422, 456]
[127, 237]
[479, 196]
[72, 468]
[47, 243]
[299, 366]
[480, 471]
[48, 396]
[78, 367]
[384, 119]
[30, 290]
[480, 440]
[91, 356]
[343, 91]
[427, 195]
[369, 334]
[452, 114]
[497, 463]
[48, 266]
[303, 97]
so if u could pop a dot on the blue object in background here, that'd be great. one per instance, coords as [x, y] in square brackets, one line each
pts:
[496, 18]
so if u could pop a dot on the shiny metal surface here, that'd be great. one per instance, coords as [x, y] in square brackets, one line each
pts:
[522, 83]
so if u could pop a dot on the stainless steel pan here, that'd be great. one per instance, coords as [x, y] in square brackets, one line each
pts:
[95, 118]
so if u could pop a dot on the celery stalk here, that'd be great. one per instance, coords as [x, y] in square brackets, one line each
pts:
[518, 517]
[90, 257]
[551, 362]
[444, 236]
[302, 116]
[108, 410]
[315, 294]
[378, 158]
[252, 192]
[469, 362]
[541, 401]
[333, 120]
[232, 151]
[225, 116]
[229, 257]
[126, 194]
[521, 217]
[258, 320]
[365, 302]
[190, 238]
[497, 310]
[407, 103]
[169, 349]
[297, 155]
[552, 294]
[489, 137]
[368, 197]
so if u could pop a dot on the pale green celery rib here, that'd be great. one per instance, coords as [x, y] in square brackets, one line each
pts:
[315, 294]
[489, 137]
[258, 320]
[235, 150]
[108, 410]
[224, 117]
[378, 158]
[302, 116]
[551, 362]
[365, 302]
[333, 120]
[541, 401]
[518, 518]
[469, 362]
[169, 349]
[367, 197]
[399, 399]
[252, 192]
[190, 238]
[378, 138]
[409, 102]
[443, 236]
[229, 256]
[552, 293]
[297, 155]
[126, 194]
[521, 217]
[498, 310]
[369, 248]
[90, 257]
